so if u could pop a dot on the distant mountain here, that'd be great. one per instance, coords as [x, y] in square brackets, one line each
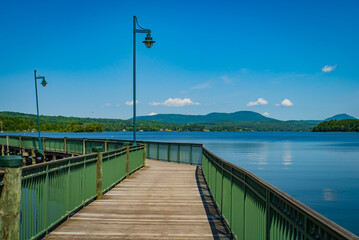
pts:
[237, 121]
[340, 117]
[241, 116]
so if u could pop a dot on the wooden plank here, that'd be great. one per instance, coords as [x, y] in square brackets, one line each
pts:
[162, 201]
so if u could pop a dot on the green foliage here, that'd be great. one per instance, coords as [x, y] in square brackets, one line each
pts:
[28, 122]
[262, 126]
[20, 124]
[17, 124]
[193, 127]
[346, 125]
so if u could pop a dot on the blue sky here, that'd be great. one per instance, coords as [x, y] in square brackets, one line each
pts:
[285, 59]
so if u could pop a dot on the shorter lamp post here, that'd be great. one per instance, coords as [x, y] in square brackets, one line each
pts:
[43, 83]
[148, 42]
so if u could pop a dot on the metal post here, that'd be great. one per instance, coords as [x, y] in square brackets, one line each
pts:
[127, 161]
[46, 193]
[134, 80]
[38, 117]
[7, 145]
[144, 155]
[158, 151]
[267, 214]
[84, 146]
[10, 198]
[169, 152]
[67, 184]
[190, 158]
[20, 145]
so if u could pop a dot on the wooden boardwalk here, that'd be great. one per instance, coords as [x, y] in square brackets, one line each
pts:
[162, 201]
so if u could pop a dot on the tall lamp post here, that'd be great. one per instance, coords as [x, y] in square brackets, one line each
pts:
[43, 83]
[148, 42]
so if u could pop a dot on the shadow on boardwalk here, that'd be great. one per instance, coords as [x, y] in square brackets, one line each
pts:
[219, 228]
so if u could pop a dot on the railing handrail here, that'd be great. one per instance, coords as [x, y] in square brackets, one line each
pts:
[101, 139]
[70, 183]
[337, 229]
[269, 189]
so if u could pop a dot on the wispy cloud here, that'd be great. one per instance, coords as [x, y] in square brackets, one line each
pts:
[201, 86]
[130, 103]
[328, 68]
[260, 101]
[152, 114]
[175, 102]
[226, 79]
[266, 114]
[198, 87]
[107, 105]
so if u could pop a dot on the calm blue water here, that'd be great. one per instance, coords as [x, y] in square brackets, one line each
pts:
[319, 169]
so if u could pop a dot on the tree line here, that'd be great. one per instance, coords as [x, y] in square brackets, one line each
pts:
[346, 125]
[20, 122]
[16, 124]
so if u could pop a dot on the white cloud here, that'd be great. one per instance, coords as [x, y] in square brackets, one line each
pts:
[286, 103]
[152, 114]
[155, 103]
[175, 102]
[260, 101]
[277, 105]
[130, 103]
[266, 114]
[328, 68]
[107, 104]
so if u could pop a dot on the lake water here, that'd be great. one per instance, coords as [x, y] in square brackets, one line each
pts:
[319, 169]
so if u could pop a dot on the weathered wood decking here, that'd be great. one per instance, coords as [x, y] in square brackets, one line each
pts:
[162, 201]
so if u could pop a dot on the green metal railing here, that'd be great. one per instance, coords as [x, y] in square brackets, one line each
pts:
[51, 192]
[78, 146]
[254, 209]
[190, 153]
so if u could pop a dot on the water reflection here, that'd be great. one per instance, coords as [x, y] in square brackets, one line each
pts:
[329, 194]
[287, 155]
[259, 156]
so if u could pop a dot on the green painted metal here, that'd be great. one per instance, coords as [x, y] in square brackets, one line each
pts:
[11, 161]
[190, 153]
[3, 140]
[52, 191]
[254, 209]
[37, 107]
[93, 143]
[97, 149]
[148, 41]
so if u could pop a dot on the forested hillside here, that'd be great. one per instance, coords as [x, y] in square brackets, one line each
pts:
[20, 122]
[346, 125]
